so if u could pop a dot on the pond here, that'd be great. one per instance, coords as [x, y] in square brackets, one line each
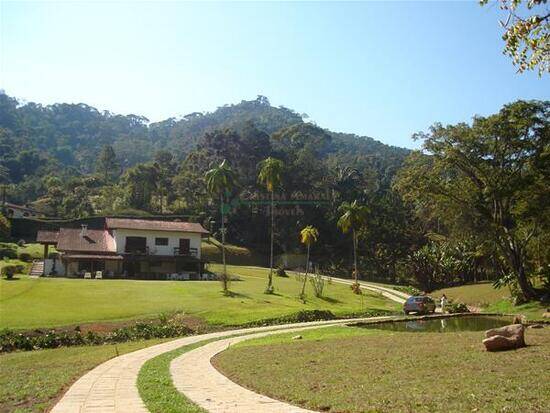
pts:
[441, 325]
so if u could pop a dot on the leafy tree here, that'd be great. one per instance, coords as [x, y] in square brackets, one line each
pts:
[270, 174]
[164, 162]
[4, 227]
[527, 33]
[354, 216]
[434, 266]
[141, 183]
[490, 178]
[107, 164]
[308, 236]
[219, 181]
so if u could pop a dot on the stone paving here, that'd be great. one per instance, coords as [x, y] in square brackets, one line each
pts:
[111, 386]
[195, 377]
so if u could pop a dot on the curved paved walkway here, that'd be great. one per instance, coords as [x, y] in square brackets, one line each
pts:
[111, 386]
[195, 377]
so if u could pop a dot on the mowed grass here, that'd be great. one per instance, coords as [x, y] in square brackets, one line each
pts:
[345, 369]
[488, 298]
[47, 302]
[31, 381]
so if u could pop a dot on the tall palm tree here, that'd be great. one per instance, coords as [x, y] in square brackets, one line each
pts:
[270, 175]
[354, 216]
[220, 180]
[308, 236]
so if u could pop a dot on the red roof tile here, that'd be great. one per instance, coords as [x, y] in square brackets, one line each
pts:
[143, 224]
[71, 239]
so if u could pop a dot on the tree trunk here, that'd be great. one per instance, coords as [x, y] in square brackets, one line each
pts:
[514, 254]
[305, 276]
[356, 274]
[270, 282]
[224, 279]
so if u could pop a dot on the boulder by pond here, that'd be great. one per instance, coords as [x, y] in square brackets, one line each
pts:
[505, 338]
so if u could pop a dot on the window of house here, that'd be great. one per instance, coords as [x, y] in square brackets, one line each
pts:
[156, 264]
[136, 244]
[161, 241]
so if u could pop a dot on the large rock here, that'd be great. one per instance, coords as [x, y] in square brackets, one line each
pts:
[505, 338]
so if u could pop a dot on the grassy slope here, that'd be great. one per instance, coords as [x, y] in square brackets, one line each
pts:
[31, 381]
[355, 370]
[45, 302]
[484, 296]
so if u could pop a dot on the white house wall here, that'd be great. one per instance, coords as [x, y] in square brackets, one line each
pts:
[173, 240]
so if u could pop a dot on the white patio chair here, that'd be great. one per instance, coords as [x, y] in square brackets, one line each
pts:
[88, 275]
[98, 275]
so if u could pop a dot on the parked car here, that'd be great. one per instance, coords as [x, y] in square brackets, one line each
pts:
[419, 304]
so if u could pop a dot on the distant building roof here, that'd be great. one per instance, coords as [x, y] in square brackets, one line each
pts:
[21, 207]
[143, 224]
[93, 240]
[47, 237]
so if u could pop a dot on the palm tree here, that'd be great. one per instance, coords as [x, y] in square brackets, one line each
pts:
[220, 180]
[308, 236]
[270, 175]
[354, 216]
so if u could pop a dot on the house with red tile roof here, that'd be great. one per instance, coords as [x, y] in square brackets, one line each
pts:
[136, 248]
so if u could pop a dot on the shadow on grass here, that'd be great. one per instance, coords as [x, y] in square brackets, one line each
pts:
[233, 294]
[331, 300]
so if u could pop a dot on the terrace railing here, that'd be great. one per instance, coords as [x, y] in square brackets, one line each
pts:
[188, 252]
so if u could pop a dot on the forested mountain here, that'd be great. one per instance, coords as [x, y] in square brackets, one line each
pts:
[473, 204]
[74, 134]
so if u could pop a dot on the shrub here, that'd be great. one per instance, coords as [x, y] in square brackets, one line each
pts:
[6, 252]
[454, 307]
[408, 289]
[299, 317]
[165, 328]
[281, 272]
[9, 270]
[356, 288]
[25, 257]
[318, 283]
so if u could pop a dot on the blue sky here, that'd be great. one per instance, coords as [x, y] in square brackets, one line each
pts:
[382, 69]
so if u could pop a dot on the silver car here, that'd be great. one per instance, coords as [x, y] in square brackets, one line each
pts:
[419, 304]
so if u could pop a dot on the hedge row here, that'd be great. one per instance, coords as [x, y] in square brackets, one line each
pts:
[38, 339]
[312, 315]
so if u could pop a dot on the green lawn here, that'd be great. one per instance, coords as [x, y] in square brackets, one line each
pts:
[156, 388]
[344, 369]
[31, 381]
[46, 302]
[484, 296]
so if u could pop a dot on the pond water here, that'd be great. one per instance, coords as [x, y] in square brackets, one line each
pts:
[442, 325]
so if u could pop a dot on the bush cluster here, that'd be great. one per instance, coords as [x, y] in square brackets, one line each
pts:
[299, 317]
[281, 272]
[456, 307]
[38, 339]
[25, 257]
[6, 252]
[9, 270]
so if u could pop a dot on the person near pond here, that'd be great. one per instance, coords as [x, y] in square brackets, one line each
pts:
[443, 303]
